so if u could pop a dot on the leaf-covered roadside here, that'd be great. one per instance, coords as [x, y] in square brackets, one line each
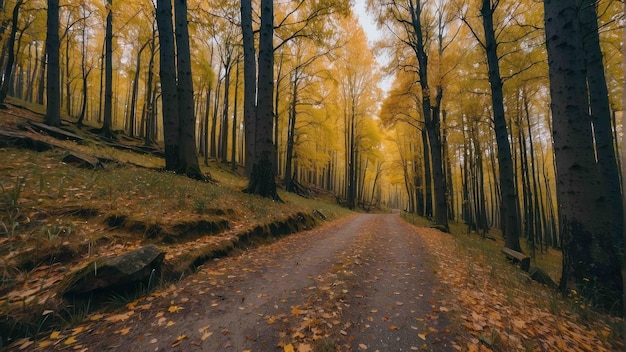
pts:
[503, 310]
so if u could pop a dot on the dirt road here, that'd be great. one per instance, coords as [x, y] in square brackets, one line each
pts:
[363, 283]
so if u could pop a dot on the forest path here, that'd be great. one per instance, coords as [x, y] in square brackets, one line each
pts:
[362, 283]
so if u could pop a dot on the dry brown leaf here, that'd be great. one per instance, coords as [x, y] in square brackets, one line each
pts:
[119, 317]
[179, 340]
[305, 347]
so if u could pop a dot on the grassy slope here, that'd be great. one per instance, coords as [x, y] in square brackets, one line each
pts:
[57, 217]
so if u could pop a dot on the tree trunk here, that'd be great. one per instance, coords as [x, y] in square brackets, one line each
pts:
[431, 118]
[213, 141]
[223, 138]
[148, 113]
[262, 180]
[188, 155]
[507, 181]
[291, 131]
[169, 99]
[249, 78]
[53, 91]
[428, 178]
[84, 74]
[8, 70]
[31, 86]
[135, 89]
[591, 263]
[207, 114]
[233, 150]
[107, 127]
[601, 118]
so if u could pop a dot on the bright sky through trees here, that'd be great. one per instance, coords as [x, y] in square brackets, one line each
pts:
[373, 33]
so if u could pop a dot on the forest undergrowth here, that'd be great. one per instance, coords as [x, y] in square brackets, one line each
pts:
[502, 309]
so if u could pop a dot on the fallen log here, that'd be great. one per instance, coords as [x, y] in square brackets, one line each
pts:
[517, 257]
[55, 132]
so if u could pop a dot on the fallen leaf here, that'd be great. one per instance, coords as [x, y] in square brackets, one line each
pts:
[78, 330]
[169, 323]
[120, 317]
[179, 340]
[206, 335]
[55, 335]
[124, 331]
[362, 346]
[96, 317]
[305, 347]
[174, 309]
[393, 327]
[43, 344]
[70, 340]
[296, 311]
[288, 348]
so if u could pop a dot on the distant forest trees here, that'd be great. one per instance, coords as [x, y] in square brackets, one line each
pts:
[496, 113]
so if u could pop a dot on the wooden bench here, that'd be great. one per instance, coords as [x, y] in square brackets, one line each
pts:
[517, 257]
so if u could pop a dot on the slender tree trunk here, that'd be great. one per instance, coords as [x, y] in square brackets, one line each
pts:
[84, 73]
[147, 114]
[31, 86]
[428, 177]
[223, 140]
[250, 88]
[107, 127]
[447, 168]
[8, 70]
[213, 142]
[132, 118]
[42, 74]
[53, 91]
[207, 114]
[291, 131]
[507, 181]
[431, 119]
[233, 151]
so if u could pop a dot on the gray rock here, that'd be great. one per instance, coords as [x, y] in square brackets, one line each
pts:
[116, 273]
